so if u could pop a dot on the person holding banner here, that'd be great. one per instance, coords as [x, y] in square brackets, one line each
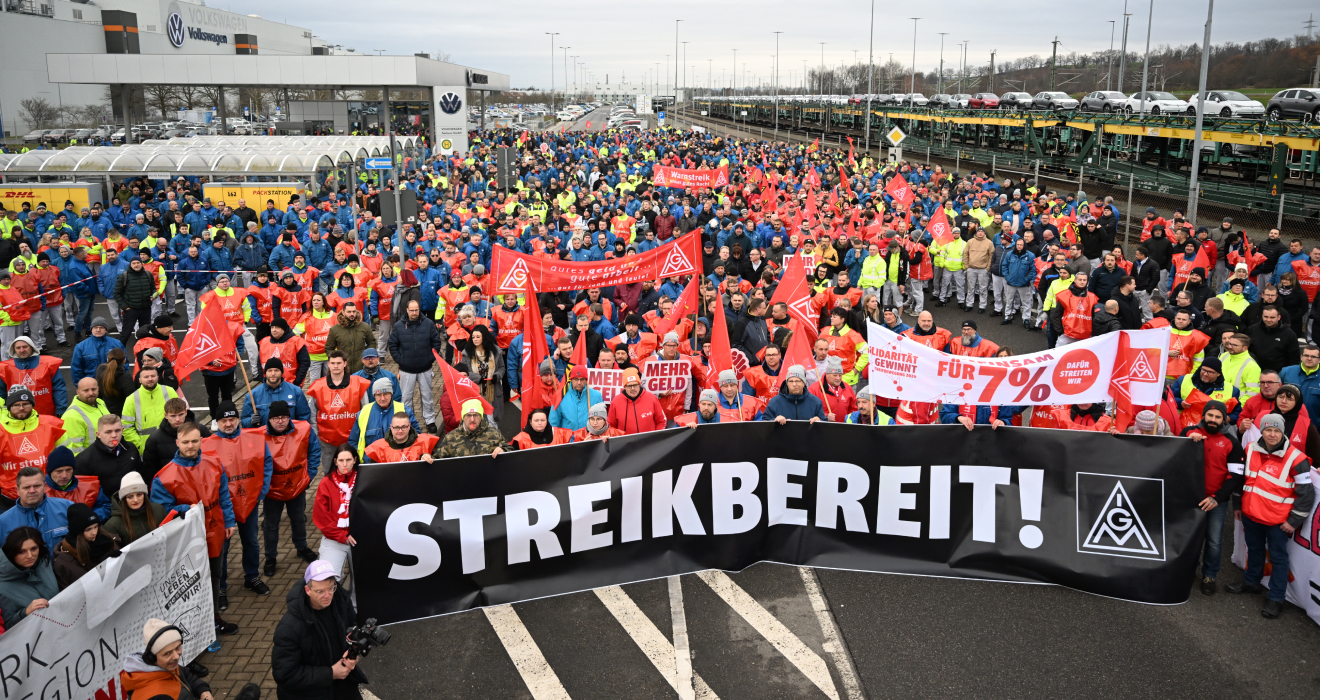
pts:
[636, 410]
[1207, 384]
[403, 444]
[598, 426]
[475, 435]
[866, 413]
[794, 402]
[1070, 318]
[846, 344]
[539, 433]
[708, 411]
[838, 398]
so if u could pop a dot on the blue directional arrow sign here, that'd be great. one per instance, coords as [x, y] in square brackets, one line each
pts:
[377, 164]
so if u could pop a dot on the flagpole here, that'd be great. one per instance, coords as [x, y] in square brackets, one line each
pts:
[255, 413]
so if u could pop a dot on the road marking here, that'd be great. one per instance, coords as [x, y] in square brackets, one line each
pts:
[833, 640]
[368, 695]
[793, 649]
[650, 640]
[682, 654]
[536, 673]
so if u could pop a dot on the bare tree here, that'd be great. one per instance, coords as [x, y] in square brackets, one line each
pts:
[442, 55]
[38, 112]
[162, 97]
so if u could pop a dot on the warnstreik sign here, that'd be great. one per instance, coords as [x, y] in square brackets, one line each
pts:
[664, 176]
[76, 647]
[903, 369]
[512, 270]
[1113, 515]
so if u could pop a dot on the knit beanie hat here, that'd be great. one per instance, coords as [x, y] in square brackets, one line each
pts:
[1146, 421]
[150, 629]
[132, 483]
[60, 457]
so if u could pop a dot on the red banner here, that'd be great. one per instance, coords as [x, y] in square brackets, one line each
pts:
[513, 270]
[209, 338]
[899, 189]
[939, 227]
[664, 176]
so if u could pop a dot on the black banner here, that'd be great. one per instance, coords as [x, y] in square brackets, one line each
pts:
[1110, 515]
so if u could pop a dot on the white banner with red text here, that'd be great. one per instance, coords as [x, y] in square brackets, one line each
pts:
[659, 377]
[904, 369]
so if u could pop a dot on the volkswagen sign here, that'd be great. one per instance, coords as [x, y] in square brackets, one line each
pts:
[174, 29]
[450, 103]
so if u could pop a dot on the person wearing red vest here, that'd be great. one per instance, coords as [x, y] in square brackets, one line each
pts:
[970, 343]
[290, 298]
[247, 463]
[834, 393]
[335, 401]
[1183, 263]
[39, 373]
[1277, 496]
[48, 276]
[539, 433]
[1308, 274]
[917, 413]
[508, 321]
[640, 345]
[598, 425]
[13, 312]
[61, 483]
[26, 439]
[236, 309]
[381, 304]
[1083, 416]
[295, 452]
[260, 294]
[927, 333]
[762, 381]
[636, 410]
[403, 444]
[289, 349]
[1261, 403]
[195, 479]
[1070, 318]
[1223, 476]
[708, 411]
[160, 335]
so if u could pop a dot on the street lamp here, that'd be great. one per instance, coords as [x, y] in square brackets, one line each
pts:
[685, 67]
[565, 50]
[939, 80]
[776, 79]
[870, 77]
[822, 68]
[1200, 117]
[1109, 69]
[733, 87]
[552, 36]
[676, 60]
[913, 88]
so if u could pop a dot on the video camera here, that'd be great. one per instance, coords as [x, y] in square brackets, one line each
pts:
[362, 638]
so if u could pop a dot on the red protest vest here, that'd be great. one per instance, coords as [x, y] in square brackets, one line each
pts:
[936, 341]
[743, 414]
[510, 325]
[1189, 344]
[289, 453]
[244, 461]
[315, 331]
[27, 286]
[985, 348]
[27, 449]
[231, 305]
[1064, 420]
[88, 488]
[1308, 276]
[337, 302]
[286, 353]
[12, 301]
[1269, 492]
[637, 352]
[199, 485]
[584, 435]
[1047, 416]
[380, 451]
[291, 302]
[169, 347]
[524, 441]
[1076, 313]
[337, 409]
[385, 296]
[262, 295]
[39, 380]
[49, 277]
[1300, 427]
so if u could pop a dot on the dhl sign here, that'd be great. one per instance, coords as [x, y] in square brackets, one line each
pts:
[54, 195]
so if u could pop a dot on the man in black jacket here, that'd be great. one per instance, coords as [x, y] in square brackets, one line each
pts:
[1160, 249]
[309, 655]
[755, 334]
[411, 344]
[110, 457]
[1129, 306]
[134, 291]
[160, 447]
[1273, 342]
[1272, 248]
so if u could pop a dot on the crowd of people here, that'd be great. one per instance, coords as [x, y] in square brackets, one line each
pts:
[317, 292]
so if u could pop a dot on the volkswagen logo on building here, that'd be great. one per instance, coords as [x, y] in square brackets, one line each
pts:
[174, 28]
[450, 103]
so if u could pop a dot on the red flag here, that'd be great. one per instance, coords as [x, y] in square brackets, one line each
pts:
[899, 189]
[579, 357]
[210, 338]
[1129, 365]
[798, 353]
[459, 388]
[686, 304]
[721, 353]
[851, 159]
[812, 178]
[794, 291]
[810, 212]
[939, 227]
[534, 351]
[815, 146]
[843, 180]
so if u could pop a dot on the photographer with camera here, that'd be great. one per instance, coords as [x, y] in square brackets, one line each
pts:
[311, 656]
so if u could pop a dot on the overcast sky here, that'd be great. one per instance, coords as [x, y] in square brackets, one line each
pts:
[629, 39]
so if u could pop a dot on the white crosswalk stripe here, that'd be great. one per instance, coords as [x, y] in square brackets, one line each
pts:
[833, 640]
[652, 642]
[526, 656]
[787, 643]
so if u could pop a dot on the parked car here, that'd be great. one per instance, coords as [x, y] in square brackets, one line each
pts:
[914, 99]
[1103, 101]
[83, 135]
[940, 101]
[1227, 103]
[1155, 102]
[34, 136]
[960, 100]
[1294, 103]
[1016, 100]
[984, 100]
[1053, 101]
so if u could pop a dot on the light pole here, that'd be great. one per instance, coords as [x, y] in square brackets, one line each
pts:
[776, 79]
[1200, 117]
[939, 81]
[710, 69]
[552, 36]
[685, 67]
[1145, 73]
[1109, 69]
[822, 68]
[870, 77]
[733, 86]
[963, 73]
[1122, 57]
[913, 88]
[676, 60]
[565, 50]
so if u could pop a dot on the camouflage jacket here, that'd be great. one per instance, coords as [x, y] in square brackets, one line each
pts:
[461, 443]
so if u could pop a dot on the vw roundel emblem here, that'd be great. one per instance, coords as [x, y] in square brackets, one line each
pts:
[450, 103]
[174, 29]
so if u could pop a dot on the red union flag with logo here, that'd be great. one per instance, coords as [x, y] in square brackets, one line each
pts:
[209, 338]
[687, 179]
[513, 271]
[900, 190]
[1083, 372]
[939, 227]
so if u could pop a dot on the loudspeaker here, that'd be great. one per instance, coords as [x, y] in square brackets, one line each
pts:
[407, 202]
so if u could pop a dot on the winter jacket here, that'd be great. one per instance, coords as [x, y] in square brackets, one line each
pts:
[1147, 274]
[802, 406]
[1105, 282]
[160, 448]
[193, 273]
[351, 339]
[108, 275]
[1103, 322]
[134, 290]
[636, 415]
[66, 565]
[302, 652]
[219, 261]
[90, 354]
[18, 587]
[571, 413]
[75, 270]
[985, 415]
[1018, 268]
[263, 395]
[48, 517]
[464, 443]
[1274, 348]
[319, 253]
[250, 254]
[1129, 310]
[109, 466]
[141, 681]
[118, 523]
[412, 343]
